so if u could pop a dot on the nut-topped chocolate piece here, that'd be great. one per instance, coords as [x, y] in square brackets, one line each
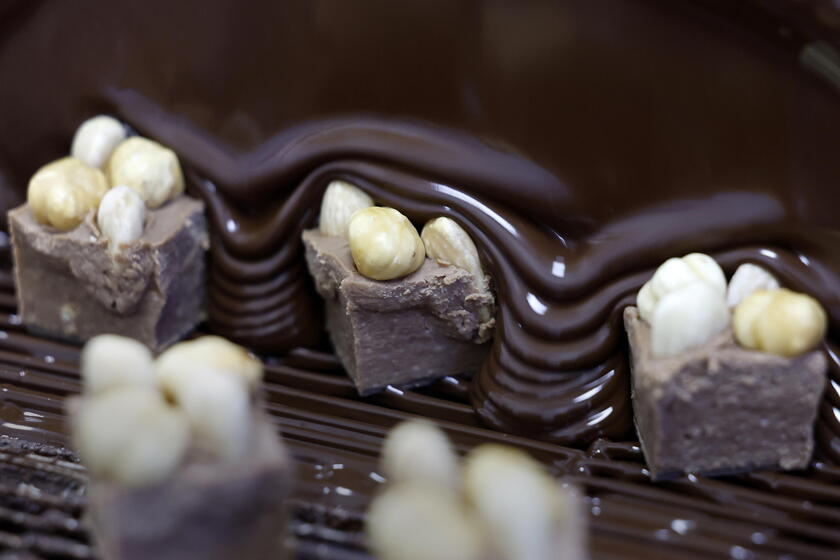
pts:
[394, 316]
[501, 505]
[120, 254]
[184, 463]
[713, 398]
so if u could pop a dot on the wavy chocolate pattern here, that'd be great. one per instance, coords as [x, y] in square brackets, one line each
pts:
[580, 143]
[558, 368]
[619, 170]
[335, 438]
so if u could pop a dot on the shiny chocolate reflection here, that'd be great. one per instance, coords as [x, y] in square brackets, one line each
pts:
[580, 144]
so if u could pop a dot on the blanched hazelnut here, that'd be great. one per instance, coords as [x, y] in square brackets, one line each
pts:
[61, 193]
[208, 352]
[448, 243]
[421, 522]
[341, 200]
[96, 139]
[747, 279]
[676, 273]
[780, 322]
[384, 244]
[130, 435]
[417, 451]
[518, 503]
[707, 269]
[212, 379]
[109, 361]
[687, 317]
[121, 216]
[147, 167]
[217, 405]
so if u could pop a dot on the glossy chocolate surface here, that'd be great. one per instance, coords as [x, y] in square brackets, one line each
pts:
[580, 143]
[335, 439]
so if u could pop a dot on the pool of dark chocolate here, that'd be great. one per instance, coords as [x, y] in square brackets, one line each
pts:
[335, 438]
[580, 144]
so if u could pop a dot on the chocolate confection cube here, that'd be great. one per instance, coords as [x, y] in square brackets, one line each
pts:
[70, 285]
[427, 325]
[720, 408]
[207, 510]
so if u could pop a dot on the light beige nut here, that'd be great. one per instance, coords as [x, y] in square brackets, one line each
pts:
[121, 216]
[687, 317]
[96, 139]
[448, 243]
[707, 269]
[672, 274]
[419, 451]
[780, 322]
[420, 522]
[147, 167]
[212, 380]
[646, 302]
[66, 207]
[518, 503]
[341, 200]
[384, 243]
[109, 361]
[747, 279]
[747, 313]
[130, 435]
[676, 273]
[207, 352]
[61, 193]
[218, 407]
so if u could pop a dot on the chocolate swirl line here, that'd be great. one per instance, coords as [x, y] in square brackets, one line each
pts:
[767, 514]
[335, 439]
[558, 366]
[579, 154]
[640, 109]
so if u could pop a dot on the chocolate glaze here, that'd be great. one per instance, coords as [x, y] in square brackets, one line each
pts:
[580, 143]
[336, 437]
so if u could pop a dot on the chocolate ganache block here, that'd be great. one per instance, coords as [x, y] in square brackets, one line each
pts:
[184, 461]
[70, 285]
[420, 327]
[394, 316]
[127, 259]
[713, 400]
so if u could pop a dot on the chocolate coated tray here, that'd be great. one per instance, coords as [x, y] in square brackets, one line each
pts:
[731, 102]
[335, 437]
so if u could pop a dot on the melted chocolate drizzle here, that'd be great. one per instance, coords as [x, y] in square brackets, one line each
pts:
[335, 438]
[579, 143]
[648, 157]
[558, 368]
